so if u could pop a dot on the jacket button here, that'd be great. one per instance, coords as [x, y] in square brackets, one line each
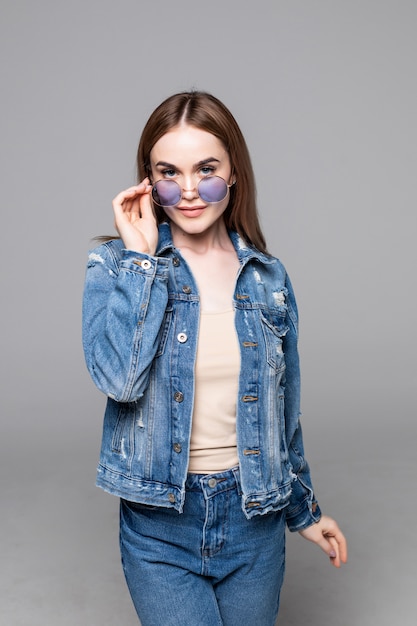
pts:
[175, 261]
[145, 264]
[171, 498]
[212, 482]
[182, 337]
[177, 447]
[178, 396]
[186, 289]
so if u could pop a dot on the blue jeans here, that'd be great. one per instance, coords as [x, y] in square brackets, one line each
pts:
[210, 565]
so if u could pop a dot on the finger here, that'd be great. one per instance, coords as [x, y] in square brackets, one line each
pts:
[339, 544]
[342, 546]
[327, 547]
[334, 553]
[126, 206]
[128, 209]
[146, 205]
[131, 193]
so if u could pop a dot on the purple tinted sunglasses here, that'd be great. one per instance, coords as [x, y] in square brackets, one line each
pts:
[168, 193]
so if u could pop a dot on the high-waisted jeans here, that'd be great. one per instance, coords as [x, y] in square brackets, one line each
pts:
[208, 566]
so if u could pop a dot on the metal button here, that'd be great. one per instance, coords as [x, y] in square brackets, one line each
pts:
[146, 264]
[186, 289]
[177, 447]
[178, 396]
[175, 261]
[182, 337]
[212, 482]
[171, 497]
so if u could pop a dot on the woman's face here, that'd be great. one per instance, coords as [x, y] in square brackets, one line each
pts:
[187, 154]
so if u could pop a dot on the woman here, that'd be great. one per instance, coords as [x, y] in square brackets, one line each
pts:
[190, 329]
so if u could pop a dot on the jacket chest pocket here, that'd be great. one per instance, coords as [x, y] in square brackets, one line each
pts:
[274, 329]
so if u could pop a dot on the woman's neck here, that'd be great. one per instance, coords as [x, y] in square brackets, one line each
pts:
[214, 238]
[214, 264]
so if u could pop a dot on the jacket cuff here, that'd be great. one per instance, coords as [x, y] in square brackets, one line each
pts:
[144, 263]
[305, 515]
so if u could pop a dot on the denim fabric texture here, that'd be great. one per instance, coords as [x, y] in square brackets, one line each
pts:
[210, 565]
[140, 331]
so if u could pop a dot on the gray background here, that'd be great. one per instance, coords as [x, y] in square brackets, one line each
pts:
[325, 93]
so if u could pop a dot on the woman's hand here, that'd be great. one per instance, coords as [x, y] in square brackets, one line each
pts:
[328, 536]
[134, 218]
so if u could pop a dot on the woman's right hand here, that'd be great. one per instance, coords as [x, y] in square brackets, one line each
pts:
[135, 220]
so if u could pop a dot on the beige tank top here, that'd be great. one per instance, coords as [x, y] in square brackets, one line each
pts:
[213, 436]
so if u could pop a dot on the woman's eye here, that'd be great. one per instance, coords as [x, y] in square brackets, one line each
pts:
[169, 173]
[207, 170]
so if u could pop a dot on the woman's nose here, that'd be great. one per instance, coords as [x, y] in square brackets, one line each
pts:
[189, 188]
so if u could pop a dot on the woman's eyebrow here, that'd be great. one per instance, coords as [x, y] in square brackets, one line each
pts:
[206, 161]
[199, 164]
[165, 164]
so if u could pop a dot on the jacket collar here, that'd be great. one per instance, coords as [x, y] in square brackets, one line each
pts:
[244, 251]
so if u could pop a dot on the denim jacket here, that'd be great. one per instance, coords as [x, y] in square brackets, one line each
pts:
[140, 332]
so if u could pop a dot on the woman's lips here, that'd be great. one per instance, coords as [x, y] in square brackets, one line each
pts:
[191, 211]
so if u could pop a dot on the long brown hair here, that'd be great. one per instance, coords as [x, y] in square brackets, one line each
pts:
[204, 111]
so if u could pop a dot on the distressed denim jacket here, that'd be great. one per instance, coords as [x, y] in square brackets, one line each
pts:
[140, 332]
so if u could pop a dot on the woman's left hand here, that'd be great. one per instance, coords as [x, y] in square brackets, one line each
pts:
[328, 536]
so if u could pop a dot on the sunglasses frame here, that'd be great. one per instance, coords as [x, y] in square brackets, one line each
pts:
[181, 191]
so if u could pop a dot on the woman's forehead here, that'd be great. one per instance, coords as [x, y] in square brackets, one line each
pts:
[189, 143]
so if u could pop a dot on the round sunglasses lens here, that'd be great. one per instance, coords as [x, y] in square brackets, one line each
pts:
[212, 189]
[166, 193]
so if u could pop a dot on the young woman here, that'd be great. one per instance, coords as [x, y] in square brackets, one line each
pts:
[190, 329]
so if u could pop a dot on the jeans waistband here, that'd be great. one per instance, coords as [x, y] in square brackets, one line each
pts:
[211, 484]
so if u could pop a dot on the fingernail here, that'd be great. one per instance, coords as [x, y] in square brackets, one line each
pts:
[332, 554]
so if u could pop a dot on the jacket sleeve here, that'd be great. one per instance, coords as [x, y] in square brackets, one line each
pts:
[124, 303]
[303, 509]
